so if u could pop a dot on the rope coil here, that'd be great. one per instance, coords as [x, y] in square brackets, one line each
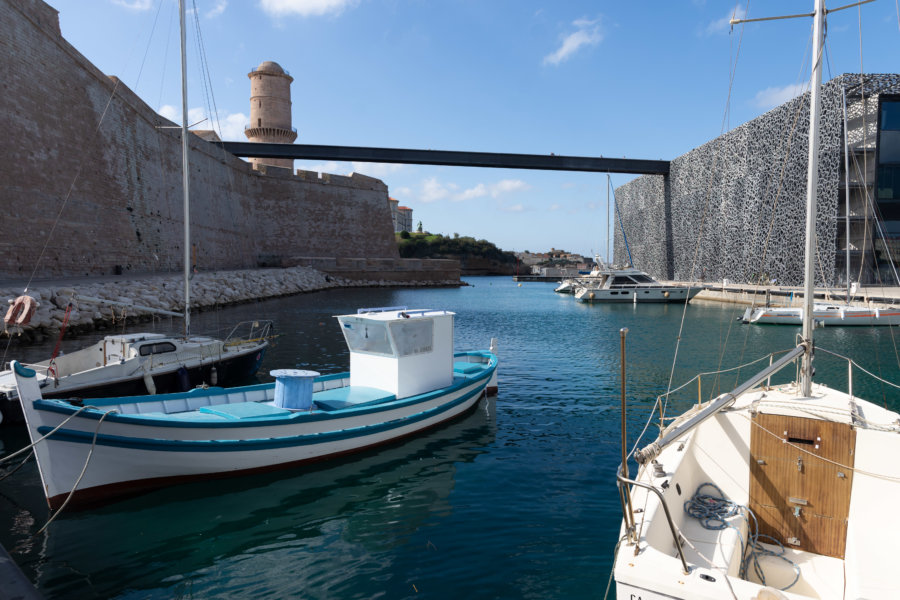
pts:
[713, 512]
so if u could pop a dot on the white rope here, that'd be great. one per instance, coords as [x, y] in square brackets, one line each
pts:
[35, 442]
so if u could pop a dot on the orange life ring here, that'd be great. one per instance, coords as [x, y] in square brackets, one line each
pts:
[20, 311]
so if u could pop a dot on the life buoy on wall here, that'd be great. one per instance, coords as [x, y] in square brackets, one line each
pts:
[20, 311]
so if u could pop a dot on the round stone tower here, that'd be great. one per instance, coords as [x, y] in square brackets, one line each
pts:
[270, 111]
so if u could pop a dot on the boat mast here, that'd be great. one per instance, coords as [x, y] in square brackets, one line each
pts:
[608, 259]
[846, 193]
[812, 181]
[185, 176]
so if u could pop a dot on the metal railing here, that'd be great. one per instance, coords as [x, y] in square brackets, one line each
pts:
[624, 493]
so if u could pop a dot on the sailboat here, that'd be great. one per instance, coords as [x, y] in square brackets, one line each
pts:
[145, 363]
[767, 492]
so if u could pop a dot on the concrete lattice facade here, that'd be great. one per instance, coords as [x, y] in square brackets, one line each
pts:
[79, 199]
[735, 208]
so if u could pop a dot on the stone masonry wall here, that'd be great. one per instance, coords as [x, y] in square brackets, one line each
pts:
[83, 199]
[738, 203]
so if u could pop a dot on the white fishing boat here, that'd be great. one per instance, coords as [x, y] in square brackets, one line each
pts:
[627, 284]
[824, 315]
[767, 492]
[144, 362]
[404, 378]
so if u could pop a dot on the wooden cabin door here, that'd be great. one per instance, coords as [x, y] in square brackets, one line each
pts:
[801, 474]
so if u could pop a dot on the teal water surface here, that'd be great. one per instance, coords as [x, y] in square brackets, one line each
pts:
[515, 500]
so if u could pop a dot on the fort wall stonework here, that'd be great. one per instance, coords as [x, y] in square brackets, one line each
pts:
[90, 179]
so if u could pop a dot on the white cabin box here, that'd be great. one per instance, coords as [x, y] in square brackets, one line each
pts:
[405, 352]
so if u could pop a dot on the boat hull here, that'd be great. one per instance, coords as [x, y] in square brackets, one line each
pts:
[836, 317]
[133, 452]
[637, 295]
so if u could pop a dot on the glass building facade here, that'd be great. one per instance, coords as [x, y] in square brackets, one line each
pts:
[887, 182]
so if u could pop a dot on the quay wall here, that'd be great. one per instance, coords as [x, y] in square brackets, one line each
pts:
[735, 208]
[90, 179]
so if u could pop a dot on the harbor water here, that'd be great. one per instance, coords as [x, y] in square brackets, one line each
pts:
[517, 499]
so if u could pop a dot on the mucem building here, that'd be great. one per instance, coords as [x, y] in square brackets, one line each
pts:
[735, 208]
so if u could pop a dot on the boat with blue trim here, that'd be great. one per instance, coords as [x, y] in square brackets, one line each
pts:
[404, 378]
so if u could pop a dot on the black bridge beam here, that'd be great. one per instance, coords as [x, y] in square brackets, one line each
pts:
[543, 162]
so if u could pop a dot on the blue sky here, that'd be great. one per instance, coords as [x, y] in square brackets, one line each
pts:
[639, 79]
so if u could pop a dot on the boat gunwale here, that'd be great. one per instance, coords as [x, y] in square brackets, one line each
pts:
[460, 381]
[253, 444]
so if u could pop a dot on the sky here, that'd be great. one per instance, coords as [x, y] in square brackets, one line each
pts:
[637, 79]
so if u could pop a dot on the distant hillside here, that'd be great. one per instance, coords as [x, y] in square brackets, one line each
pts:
[476, 257]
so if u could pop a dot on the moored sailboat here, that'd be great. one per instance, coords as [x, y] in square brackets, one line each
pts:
[767, 492]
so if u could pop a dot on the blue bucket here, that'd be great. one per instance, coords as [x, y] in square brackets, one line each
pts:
[293, 388]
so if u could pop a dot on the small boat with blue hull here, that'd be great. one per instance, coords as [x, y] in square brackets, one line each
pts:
[404, 378]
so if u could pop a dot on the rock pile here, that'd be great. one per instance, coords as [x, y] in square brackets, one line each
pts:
[135, 297]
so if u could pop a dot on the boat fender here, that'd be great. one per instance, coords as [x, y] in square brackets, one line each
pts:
[20, 311]
[769, 593]
[213, 376]
[665, 294]
[183, 378]
[149, 384]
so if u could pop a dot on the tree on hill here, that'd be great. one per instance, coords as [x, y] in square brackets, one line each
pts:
[440, 246]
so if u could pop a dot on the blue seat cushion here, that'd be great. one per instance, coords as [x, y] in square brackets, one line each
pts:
[351, 396]
[467, 368]
[245, 410]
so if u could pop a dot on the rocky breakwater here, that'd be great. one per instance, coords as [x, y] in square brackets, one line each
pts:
[136, 299]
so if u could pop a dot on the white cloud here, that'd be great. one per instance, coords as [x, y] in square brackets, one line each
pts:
[377, 170]
[135, 4]
[305, 8]
[723, 25]
[555, 207]
[508, 186]
[587, 33]
[327, 167]
[218, 9]
[774, 96]
[479, 191]
[195, 115]
[512, 208]
[432, 190]
[170, 112]
[232, 127]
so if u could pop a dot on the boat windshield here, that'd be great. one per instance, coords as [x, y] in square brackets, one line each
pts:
[370, 337]
[415, 336]
[643, 279]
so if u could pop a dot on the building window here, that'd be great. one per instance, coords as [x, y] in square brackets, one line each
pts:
[259, 122]
[887, 184]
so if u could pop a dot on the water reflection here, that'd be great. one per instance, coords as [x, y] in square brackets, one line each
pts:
[325, 523]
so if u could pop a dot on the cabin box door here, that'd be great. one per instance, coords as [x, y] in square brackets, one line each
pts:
[801, 474]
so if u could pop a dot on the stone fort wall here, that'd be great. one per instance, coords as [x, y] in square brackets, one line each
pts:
[85, 199]
[735, 208]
